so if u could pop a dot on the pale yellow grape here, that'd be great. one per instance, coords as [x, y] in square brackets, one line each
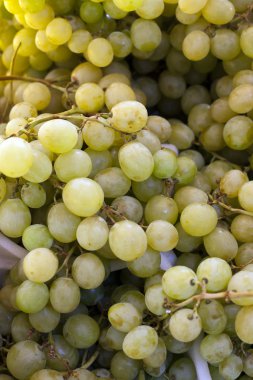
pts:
[118, 92]
[112, 10]
[14, 126]
[242, 228]
[121, 44]
[48, 374]
[97, 136]
[187, 195]
[238, 132]
[31, 297]
[23, 109]
[83, 196]
[158, 357]
[191, 6]
[81, 331]
[79, 41]
[86, 72]
[160, 127]
[147, 265]
[113, 182]
[127, 240]
[92, 233]
[232, 181]
[88, 271]
[246, 41]
[89, 98]
[43, 43]
[216, 271]
[185, 325]
[40, 61]
[186, 18]
[162, 208]
[31, 6]
[124, 317]
[199, 219]
[15, 217]
[146, 35]
[73, 164]
[40, 265]
[36, 145]
[150, 9]
[129, 116]
[241, 98]
[58, 31]
[242, 282]
[218, 12]
[100, 52]
[136, 161]
[59, 136]
[37, 94]
[64, 295]
[244, 324]
[245, 196]
[225, 45]
[140, 342]
[16, 157]
[128, 5]
[109, 79]
[196, 45]
[215, 348]
[180, 282]
[41, 168]
[21, 63]
[12, 6]
[162, 235]
[26, 39]
[154, 299]
[39, 20]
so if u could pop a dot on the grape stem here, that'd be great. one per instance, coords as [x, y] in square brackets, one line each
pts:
[91, 360]
[231, 209]
[31, 79]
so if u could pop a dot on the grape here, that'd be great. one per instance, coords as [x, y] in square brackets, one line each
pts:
[49, 374]
[31, 297]
[40, 265]
[187, 195]
[25, 38]
[186, 170]
[160, 207]
[129, 207]
[24, 359]
[154, 299]
[179, 282]
[100, 52]
[241, 282]
[231, 367]
[244, 196]
[146, 265]
[113, 11]
[40, 18]
[246, 41]
[97, 136]
[223, 239]
[241, 228]
[185, 325]
[186, 243]
[198, 219]
[225, 45]
[64, 295]
[215, 272]
[160, 127]
[123, 367]
[183, 369]
[232, 182]
[117, 93]
[41, 168]
[247, 364]
[89, 97]
[88, 271]
[45, 320]
[21, 329]
[15, 217]
[213, 317]
[196, 45]
[82, 374]
[218, 12]
[73, 164]
[81, 331]
[37, 94]
[165, 164]
[58, 31]
[182, 136]
[140, 342]
[113, 182]
[150, 10]
[136, 298]
[215, 348]
[62, 224]
[158, 357]
[162, 235]
[128, 5]
[212, 138]
[129, 116]
[92, 233]
[91, 12]
[83, 196]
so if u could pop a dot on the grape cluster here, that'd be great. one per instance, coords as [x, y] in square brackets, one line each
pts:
[126, 160]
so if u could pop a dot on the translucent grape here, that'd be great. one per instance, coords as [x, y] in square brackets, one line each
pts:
[218, 12]
[49, 374]
[196, 45]
[212, 316]
[146, 265]
[183, 368]
[97, 136]
[123, 367]
[45, 320]
[215, 272]
[92, 233]
[179, 282]
[215, 348]
[41, 168]
[26, 39]
[88, 271]
[146, 35]
[73, 164]
[160, 207]
[89, 97]
[242, 282]
[185, 325]
[31, 297]
[162, 235]
[40, 265]
[241, 228]
[128, 5]
[140, 342]
[40, 19]
[154, 299]
[65, 354]
[124, 316]
[129, 207]
[246, 41]
[37, 236]
[91, 12]
[245, 196]
[64, 295]
[187, 195]
[231, 367]
[198, 219]
[150, 10]
[232, 181]
[165, 164]
[58, 31]
[129, 116]
[15, 217]
[81, 331]
[186, 170]
[100, 52]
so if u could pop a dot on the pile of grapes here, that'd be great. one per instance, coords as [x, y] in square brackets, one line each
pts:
[126, 161]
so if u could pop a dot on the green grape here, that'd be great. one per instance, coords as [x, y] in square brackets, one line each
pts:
[64, 295]
[180, 282]
[136, 298]
[31, 297]
[158, 357]
[43, 43]
[73, 164]
[113, 11]
[221, 243]
[15, 126]
[224, 86]
[25, 358]
[114, 339]
[193, 96]
[218, 12]
[89, 98]
[21, 329]
[129, 116]
[185, 325]
[225, 45]
[215, 272]
[215, 348]
[15, 217]
[91, 12]
[100, 52]
[81, 331]
[136, 161]
[248, 364]
[113, 182]
[62, 224]
[244, 196]
[79, 41]
[40, 265]
[215, 171]
[97, 136]
[154, 299]
[140, 342]
[36, 144]
[162, 235]
[182, 136]
[165, 164]
[62, 7]
[124, 368]
[232, 182]
[37, 94]
[187, 195]
[114, 77]
[82, 374]
[150, 10]
[145, 190]
[45, 320]
[186, 18]
[171, 85]
[186, 243]
[196, 45]
[58, 31]
[241, 282]
[86, 72]
[25, 38]
[48, 374]
[124, 316]
[241, 98]
[182, 369]
[186, 170]
[161, 207]
[121, 44]
[92, 233]
[160, 127]
[212, 138]
[39, 19]
[33, 195]
[129, 207]
[41, 168]
[231, 312]
[191, 6]
[6, 318]
[241, 228]
[117, 93]
[83, 196]
[246, 42]
[41, 62]
[66, 355]
[244, 255]
[198, 219]
[31, 6]
[241, 62]
[21, 63]
[146, 265]
[145, 35]
[149, 139]
[59, 136]
[88, 271]
[189, 260]
[128, 5]
[231, 367]
[15, 156]
[202, 182]
[173, 345]
[213, 316]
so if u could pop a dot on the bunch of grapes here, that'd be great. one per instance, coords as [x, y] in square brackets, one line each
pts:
[126, 161]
